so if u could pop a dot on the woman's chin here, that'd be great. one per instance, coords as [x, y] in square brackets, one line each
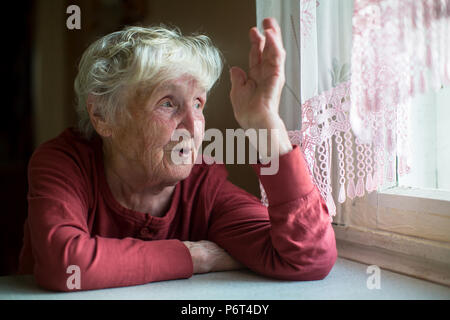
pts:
[179, 168]
[178, 172]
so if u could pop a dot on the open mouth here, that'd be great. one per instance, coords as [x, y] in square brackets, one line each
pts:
[183, 152]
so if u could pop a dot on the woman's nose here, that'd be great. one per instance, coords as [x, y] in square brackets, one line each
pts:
[187, 120]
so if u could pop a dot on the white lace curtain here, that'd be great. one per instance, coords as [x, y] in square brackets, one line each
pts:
[351, 68]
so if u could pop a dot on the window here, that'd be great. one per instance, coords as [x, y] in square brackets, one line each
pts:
[405, 226]
[430, 149]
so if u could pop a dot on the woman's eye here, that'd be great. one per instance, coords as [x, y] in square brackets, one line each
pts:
[167, 104]
[198, 105]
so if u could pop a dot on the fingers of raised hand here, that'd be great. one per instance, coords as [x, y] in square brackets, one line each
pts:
[271, 23]
[257, 45]
[273, 51]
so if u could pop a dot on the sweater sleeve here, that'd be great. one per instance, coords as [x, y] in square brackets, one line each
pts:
[57, 220]
[292, 239]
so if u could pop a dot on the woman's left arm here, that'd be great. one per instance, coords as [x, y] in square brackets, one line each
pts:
[292, 238]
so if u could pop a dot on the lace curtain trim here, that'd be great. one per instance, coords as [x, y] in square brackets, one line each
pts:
[361, 167]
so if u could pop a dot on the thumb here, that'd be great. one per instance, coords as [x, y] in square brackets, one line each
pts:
[238, 77]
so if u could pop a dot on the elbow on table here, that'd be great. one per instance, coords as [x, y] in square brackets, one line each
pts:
[325, 268]
[53, 281]
[58, 277]
[326, 256]
[325, 262]
[318, 268]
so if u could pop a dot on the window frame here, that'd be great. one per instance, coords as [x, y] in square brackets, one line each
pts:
[403, 229]
[398, 229]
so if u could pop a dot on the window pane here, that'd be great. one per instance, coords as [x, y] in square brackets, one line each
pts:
[430, 143]
[443, 138]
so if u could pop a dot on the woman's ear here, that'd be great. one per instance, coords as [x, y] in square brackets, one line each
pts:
[98, 120]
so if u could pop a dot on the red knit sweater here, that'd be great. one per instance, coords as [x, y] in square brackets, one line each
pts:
[73, 219]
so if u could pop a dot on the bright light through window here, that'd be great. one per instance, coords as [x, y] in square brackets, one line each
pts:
[430, 142]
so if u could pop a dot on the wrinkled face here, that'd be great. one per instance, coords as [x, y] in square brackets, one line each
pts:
[162, 137]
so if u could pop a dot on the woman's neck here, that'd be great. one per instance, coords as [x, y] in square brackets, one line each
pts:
[133, 191]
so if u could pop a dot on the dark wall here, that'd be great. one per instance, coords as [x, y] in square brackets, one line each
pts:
[15, 128]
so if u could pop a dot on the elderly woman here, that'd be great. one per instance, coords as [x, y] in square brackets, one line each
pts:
[109, 199]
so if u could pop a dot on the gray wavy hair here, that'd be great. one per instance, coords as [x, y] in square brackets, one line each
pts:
[116, 65]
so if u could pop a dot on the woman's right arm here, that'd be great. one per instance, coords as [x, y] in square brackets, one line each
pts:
[59, 234]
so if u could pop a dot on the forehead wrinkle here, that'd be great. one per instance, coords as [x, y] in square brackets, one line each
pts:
[177, 84]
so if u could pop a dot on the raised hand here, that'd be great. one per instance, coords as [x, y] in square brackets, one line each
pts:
[255, 96]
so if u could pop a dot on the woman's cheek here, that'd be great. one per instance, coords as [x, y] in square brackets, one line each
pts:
[163, 124]
[127, 140]
[147, 138]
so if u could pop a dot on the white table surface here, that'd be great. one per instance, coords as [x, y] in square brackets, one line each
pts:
[347, 280]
